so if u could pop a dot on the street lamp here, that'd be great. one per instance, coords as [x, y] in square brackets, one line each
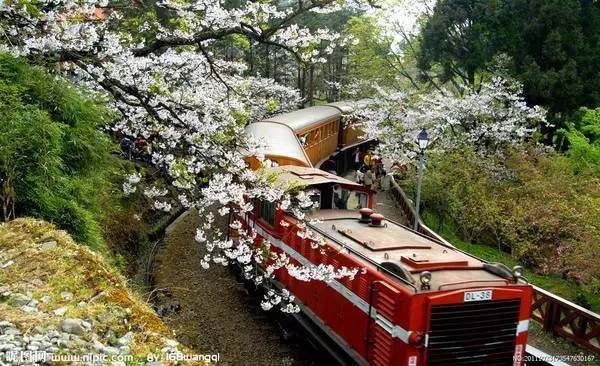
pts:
[423, 140]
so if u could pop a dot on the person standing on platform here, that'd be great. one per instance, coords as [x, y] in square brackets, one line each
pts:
[360, 175]
[367, 160]
[356, 159]
[386, 180]
[369, 179]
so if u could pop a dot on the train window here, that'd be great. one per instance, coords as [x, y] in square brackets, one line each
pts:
[303, 139]
[315, 196]
[267, 212]
[310, 139]
[344, 199]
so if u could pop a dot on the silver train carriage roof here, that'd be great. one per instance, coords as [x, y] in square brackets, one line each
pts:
[302, 119]
[280, 139]
[349, 106]
[280, 131]
[305, 118]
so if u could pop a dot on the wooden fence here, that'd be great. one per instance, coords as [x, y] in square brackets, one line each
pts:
[557, 315]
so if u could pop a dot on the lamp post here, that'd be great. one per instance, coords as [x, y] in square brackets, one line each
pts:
[423, 140]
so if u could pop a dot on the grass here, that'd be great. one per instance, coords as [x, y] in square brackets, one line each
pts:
[565, 288]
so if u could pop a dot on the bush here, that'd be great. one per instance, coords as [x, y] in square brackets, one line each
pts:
[54, 159]
[525, 200]
[582, 138]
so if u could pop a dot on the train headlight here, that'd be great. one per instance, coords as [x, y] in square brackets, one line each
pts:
[517, 272]
[416, 339]
[425, 278]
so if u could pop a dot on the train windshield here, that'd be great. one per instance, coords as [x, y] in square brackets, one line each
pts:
[345, 199]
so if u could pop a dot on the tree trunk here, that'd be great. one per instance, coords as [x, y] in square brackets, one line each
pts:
[275, 76]
[267, 62]
[311, 87]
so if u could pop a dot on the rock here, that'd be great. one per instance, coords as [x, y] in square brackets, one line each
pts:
[62, 343]
[86, 325]
[33, 303]
[73, 326]
[7, 264]
[37, 282]
[100, 296]
[52, 349]
[81, 304]
[60, 311]
[171, 343]
[126, 339]
[20, 300]
[66, 295]
[97, 346]
[6, 324]
[46, 299]
[80, 342]
[32, 348]
[11, 331]
[125, 350]
[47, 245]
[28, 309]
[110, 350]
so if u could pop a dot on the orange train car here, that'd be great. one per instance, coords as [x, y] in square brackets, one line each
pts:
[307, 137]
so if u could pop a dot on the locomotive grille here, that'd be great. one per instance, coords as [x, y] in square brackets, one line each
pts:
[476, 333]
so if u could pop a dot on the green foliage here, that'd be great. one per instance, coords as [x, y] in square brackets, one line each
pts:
[272, 105]
[566, 288]
[553, 47]
[582, 138]
[458, 39]
[53, 157]
[533, 204]
[369, 58]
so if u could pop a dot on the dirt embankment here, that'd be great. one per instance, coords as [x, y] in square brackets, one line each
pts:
[61, 298]
[210, 312]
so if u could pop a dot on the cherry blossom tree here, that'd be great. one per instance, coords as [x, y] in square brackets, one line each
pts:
[158, 69]
[488, 119]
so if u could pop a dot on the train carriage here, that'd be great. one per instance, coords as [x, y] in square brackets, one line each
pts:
[350, 133]
[317, 129]
[416, 301]
[283, 146]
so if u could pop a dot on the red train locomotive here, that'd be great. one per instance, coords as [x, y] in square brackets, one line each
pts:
[418, 301]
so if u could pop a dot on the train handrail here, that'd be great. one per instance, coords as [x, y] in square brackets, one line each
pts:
[557, 315]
